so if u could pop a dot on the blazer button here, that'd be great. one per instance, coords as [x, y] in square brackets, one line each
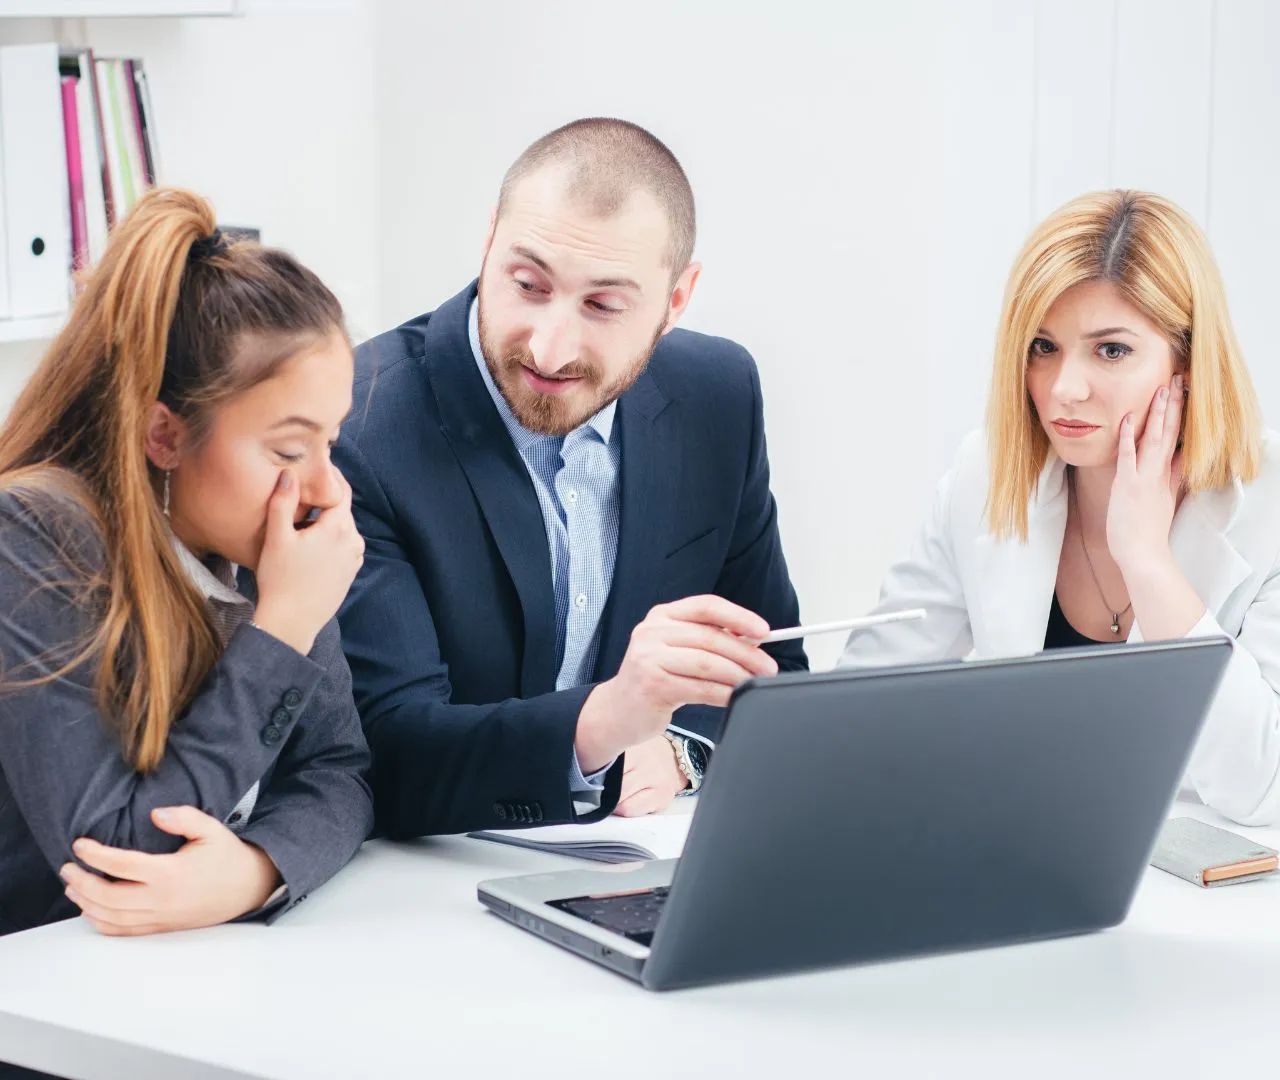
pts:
[271, 734]
[500, 811]
[281, 716]
[292, 698]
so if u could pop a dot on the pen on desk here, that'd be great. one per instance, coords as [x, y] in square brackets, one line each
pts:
[793, 632]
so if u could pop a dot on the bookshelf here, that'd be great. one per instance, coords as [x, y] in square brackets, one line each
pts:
[111, 9]
[37, 20]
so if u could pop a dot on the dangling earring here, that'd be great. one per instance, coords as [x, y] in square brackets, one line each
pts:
[166, 492]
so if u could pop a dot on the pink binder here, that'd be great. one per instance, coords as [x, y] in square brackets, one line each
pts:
[75, 175]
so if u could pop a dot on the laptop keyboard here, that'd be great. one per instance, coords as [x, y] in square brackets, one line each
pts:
[633, 915]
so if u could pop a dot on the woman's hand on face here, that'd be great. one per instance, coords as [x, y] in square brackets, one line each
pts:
[304, 574]
[1144, 495]
[213, 878]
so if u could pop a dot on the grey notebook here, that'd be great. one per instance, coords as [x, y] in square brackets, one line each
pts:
[1208, 856]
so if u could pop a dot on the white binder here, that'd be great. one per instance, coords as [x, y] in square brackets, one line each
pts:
[4, 246]
[37, 204]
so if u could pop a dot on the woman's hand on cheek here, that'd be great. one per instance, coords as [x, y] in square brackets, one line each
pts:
[1144, 495]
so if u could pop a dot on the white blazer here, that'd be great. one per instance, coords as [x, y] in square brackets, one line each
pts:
[991, 598]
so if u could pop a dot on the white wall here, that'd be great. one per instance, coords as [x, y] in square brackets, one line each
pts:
[271, 116]
[865, 173]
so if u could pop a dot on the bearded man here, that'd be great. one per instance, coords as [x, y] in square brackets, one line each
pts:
[572, 548]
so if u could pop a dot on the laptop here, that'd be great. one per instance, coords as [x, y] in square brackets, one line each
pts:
[862, 815]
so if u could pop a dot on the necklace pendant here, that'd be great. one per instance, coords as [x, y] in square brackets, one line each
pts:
[1115, 622]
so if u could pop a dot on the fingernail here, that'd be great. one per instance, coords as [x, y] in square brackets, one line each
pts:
[286, 480]
[163, 815]
[79, 847]
[63, 874]
[1164, 394]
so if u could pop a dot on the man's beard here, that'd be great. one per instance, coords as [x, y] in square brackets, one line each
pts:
[549, 414]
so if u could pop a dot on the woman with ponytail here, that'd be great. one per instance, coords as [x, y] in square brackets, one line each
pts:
[178, 741]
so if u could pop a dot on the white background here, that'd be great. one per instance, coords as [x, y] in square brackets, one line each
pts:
[865, 173]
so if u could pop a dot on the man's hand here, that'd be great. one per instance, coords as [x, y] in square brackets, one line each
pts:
[212, 878]
[650, 778]
[690, 652]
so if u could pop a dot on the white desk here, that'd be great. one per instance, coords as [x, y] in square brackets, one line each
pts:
[395, 970]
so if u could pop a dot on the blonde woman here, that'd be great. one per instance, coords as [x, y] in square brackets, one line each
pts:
[1124, 488]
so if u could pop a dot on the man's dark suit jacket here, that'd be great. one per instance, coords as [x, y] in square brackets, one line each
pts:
[450, 628]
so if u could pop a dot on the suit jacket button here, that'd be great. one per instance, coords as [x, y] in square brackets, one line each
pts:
[292, 698]
[271, 734]
[281, 716]
[500, 811]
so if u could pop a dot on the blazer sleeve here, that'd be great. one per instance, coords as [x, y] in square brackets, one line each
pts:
[1235, 767]
[929, 577]
[441, 767]
[316, 809]
[62, 758]
[754, 575]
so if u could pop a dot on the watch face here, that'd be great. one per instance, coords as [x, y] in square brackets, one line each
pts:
[697, 755]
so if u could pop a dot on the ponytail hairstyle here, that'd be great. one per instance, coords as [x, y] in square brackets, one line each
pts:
[176, 314]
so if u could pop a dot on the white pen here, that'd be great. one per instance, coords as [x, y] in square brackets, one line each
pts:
[793, 632]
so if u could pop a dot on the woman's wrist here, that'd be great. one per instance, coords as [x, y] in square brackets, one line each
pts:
[263, 877]
[1152, 566]
[268, 622]
[1165, 605]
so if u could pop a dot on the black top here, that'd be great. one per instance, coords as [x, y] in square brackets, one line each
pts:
[1060, 634]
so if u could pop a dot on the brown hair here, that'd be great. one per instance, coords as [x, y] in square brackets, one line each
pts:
[609, 159]
[1158, 258]
[176, 314]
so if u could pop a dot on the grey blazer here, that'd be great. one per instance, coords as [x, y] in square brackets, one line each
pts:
[266, 713]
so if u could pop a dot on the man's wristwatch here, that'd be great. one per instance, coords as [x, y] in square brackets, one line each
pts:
[691, 757]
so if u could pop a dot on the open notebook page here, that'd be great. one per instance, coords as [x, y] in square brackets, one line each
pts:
[613, 840]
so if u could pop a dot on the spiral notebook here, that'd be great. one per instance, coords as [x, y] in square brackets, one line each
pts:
[613, 840]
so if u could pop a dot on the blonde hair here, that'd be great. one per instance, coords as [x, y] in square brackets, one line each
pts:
[1160, 261]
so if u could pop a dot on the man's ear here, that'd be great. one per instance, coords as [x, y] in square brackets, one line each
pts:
[488, 236]
[681, 294]
[165, 438]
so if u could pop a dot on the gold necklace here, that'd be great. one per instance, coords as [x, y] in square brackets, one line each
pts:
[1116, 616]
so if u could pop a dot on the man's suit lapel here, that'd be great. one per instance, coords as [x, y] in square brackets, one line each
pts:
[499, 479]
[651, 467]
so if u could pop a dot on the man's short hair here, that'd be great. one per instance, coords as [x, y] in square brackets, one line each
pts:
[608, 161]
